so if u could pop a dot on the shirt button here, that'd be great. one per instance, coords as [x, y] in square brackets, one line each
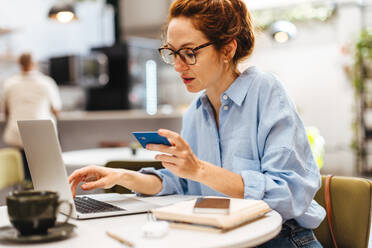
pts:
[225, 107]
[224, 97]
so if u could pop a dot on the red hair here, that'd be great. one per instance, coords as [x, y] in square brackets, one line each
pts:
[220, 21]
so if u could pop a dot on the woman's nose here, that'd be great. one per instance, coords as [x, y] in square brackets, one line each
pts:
[180, 65]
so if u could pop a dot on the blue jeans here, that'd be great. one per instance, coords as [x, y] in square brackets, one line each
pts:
[293, 235]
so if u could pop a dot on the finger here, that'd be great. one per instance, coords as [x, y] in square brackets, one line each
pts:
[83, 172]
[75, 183]
[72, 177]
[76, 174]
[167, 158]
[93, 185]
[169, 166]
[173, 137]
[91, 178]
[164, 148]
[73, 187]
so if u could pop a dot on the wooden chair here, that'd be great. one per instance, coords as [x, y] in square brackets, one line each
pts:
[130, 165]
[351, 204]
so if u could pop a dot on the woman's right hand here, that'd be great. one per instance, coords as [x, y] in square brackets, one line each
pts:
[94, 177]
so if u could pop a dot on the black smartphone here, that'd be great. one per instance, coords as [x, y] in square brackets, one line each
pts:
[212, 205]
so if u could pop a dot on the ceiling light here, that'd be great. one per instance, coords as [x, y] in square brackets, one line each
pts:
[283, 31]
[63, 13]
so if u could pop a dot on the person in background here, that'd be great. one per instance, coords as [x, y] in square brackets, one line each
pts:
[26, 96]
[241, 138]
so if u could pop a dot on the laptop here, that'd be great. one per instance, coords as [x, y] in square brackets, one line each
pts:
[48, 172]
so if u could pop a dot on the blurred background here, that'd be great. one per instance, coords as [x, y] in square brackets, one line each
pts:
[103, 56]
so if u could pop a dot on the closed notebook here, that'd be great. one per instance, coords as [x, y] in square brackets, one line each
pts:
[181, 215]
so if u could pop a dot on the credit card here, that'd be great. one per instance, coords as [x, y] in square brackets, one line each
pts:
[153, 137]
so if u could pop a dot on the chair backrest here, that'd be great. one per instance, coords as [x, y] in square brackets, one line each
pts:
[11, 167]
[130, 165]
[351, 204]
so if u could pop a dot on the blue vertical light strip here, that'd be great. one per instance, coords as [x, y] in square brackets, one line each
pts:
[151, 91]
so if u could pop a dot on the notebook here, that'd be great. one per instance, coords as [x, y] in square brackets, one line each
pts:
[182, 215]
[48, 172]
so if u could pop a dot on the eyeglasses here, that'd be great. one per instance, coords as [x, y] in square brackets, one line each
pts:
[186, 54]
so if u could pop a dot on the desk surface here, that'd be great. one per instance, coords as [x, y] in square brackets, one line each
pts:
[91, 233]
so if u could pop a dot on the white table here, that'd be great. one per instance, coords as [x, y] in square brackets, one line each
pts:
[92, 233]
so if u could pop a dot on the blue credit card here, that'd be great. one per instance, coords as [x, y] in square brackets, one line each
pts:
[145, 138]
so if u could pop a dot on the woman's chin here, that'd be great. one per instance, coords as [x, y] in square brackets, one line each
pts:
[192, 89]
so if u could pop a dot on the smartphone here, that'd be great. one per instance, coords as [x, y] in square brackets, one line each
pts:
[152, 137]
[212, 205]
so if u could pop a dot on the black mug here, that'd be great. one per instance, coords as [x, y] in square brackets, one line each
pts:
[33, 212]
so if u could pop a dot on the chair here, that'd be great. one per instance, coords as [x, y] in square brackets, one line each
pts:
[351, 204]
[130, 165]
[11, 167]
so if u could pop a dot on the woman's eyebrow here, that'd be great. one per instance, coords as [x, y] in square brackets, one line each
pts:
[168, 45]
[187, 44]
[183, 45]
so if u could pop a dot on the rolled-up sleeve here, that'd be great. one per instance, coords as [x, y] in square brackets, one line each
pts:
[288, 176]
[283, 183]
[171, 184]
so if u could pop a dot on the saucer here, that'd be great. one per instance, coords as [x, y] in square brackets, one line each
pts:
[59, 231]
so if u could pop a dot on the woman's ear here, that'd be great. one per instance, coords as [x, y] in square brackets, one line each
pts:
[229, 50]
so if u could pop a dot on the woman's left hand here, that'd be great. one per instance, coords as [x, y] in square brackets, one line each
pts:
[179, 159]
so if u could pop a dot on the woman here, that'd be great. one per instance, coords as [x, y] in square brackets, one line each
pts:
[241, 138]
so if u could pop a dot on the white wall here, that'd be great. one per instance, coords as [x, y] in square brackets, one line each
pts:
[143, 17]
[34, 32]
[44, 37]
[311, 68]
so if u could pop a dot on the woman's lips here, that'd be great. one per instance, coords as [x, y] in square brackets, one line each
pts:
[187, 80]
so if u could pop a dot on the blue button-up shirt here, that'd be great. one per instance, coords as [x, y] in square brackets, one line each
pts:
[260, 137]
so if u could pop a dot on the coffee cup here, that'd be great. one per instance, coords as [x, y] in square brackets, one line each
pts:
[33, 212]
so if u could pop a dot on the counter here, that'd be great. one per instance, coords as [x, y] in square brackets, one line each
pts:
[115, 114]
[87, 129]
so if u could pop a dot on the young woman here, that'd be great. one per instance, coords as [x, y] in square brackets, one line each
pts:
[241, 138]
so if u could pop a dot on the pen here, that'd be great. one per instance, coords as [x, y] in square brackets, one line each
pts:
[120, 239]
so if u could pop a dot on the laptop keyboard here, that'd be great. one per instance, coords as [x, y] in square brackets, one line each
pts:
[88, 205]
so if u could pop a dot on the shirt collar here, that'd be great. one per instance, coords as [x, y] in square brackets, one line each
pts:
[237, 90]
[202, 99]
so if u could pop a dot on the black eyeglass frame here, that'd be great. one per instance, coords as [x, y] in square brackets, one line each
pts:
[177, 52]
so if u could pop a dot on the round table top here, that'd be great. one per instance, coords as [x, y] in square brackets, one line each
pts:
[249, 235]
[92, 233]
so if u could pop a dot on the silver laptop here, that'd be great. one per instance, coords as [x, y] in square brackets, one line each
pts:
[48, 172]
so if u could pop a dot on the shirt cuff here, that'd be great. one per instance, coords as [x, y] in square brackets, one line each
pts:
[153, 171]
[254, 184]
